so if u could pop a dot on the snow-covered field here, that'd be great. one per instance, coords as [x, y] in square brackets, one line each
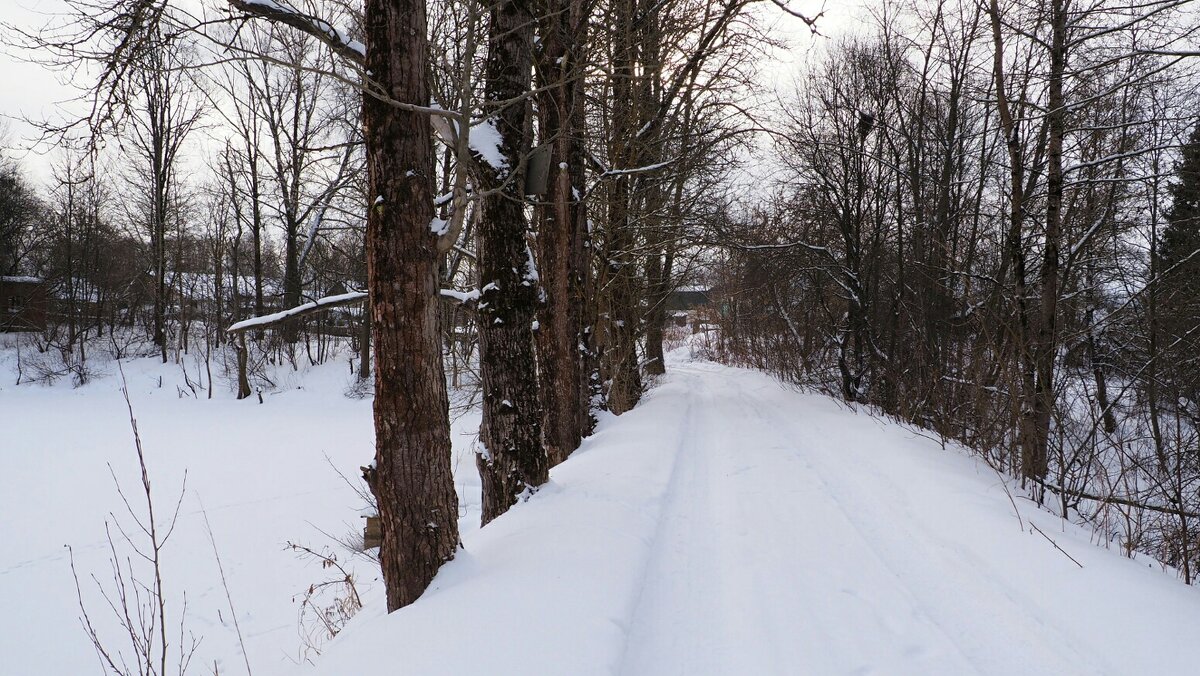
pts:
[265, 475]
[728, 525]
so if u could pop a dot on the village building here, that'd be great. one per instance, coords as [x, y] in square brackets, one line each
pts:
[24, 303]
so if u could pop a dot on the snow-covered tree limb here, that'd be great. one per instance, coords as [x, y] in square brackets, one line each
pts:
[318, 305]
[324, 31]
[330, 302]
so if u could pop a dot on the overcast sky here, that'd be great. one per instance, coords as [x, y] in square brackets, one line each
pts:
[28, 90]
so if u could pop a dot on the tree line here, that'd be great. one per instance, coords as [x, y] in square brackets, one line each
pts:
[988, 228]
[506, 190]
[982, 221]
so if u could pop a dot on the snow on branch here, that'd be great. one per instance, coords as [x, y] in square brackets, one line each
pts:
[330, 302]
[1117, 157]
[461, 296]
[810, 21]
[319, 28]
[317, 305]
[611, 173]
[639, 170]
[487, 142]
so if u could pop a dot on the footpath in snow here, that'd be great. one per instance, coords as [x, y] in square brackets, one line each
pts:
[729, 525]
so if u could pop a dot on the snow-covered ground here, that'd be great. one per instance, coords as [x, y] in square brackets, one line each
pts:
[727, 525]
[265, 475]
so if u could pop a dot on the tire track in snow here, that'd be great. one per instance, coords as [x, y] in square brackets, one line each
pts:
[669, 496]
[730, 568]
[833, 558]
[991, 649]
[778, 551]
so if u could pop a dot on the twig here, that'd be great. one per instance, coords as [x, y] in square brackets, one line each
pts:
[1039, 530]
[225, 586]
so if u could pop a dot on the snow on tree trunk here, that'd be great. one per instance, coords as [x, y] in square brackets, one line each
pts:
[513, 460]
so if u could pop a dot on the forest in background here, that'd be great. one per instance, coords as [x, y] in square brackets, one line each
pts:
[982, 219]
[990, 229]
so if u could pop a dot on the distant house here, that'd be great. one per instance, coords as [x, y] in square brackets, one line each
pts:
[24, 303]
[689, 305]
[688, 298]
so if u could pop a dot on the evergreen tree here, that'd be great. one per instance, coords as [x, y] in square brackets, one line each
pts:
[17, 207]
[1180, 264]
[1181, 238]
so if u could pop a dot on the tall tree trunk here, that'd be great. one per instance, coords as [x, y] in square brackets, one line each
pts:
[619, 305]
[583, 279]
[256, 230]
[1032, 450]
[658, 274]
[1153, 327]
[1046, 350]
[243, 382]
[513, 460]
[411, 479]
[559, 357]
[291, 275]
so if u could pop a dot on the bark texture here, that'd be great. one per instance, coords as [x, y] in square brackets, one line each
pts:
[559, 239]
[512, 460]
[411, 479]
[619, 309]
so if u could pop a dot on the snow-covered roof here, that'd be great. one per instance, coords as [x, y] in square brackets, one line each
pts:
[21, 279]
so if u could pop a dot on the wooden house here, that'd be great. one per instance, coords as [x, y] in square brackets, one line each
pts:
[24, 303]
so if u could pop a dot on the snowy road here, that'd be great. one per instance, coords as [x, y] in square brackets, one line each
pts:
[731, 526]
[797, 544]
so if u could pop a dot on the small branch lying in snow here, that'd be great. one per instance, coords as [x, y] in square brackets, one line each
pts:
[225, 584]
[1039, 530]
[1114, 500]
[1004, 484]
[300, 310]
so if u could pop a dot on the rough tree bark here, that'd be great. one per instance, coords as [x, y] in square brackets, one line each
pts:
[583, 280]
[558, 335]
[512, 460]
[411, 479]
[620, 295]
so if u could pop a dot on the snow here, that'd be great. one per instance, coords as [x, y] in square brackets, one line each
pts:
[20, 279]
[299, 309]
[461, 296]
[731, 525]
[530, 276]
[727, 525]
[332, 32]
[486, 141]
[264, 474]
